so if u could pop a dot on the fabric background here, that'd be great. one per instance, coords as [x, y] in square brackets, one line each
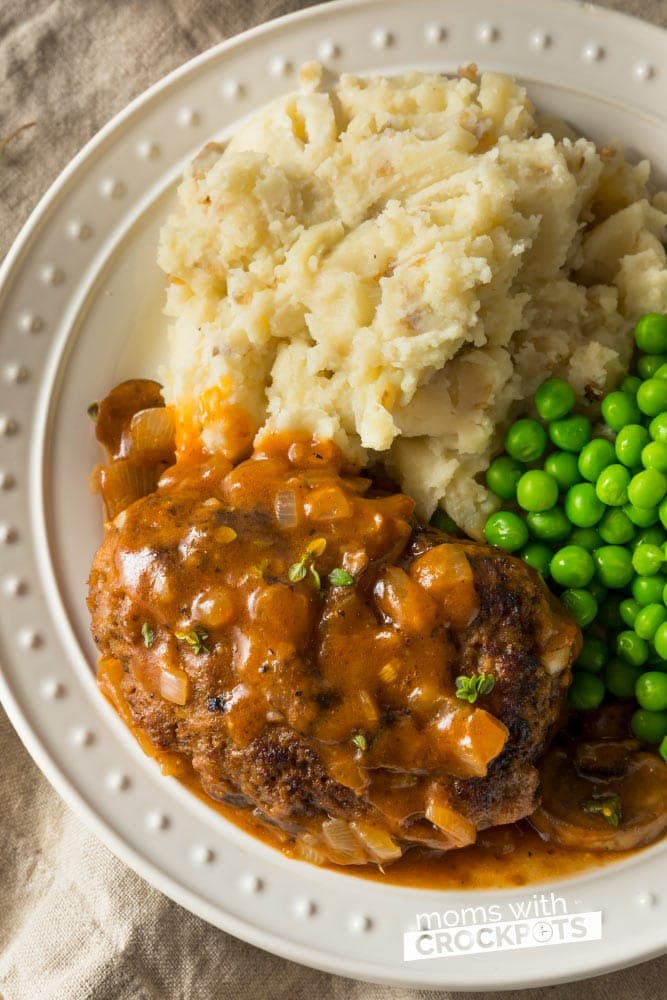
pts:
[75, 923]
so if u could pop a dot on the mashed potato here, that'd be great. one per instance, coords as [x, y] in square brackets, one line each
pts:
[397, 263]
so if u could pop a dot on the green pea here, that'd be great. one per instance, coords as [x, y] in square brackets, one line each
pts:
[583, 506]
[581, 604]
[662, 749]
[443, 522]
[649, 536]
[538, 555]
[586, 691]
[650, 365]
[613, 564]
[660, 640]
[619, 409]
[594, 654]
[595, 457]
[616, 528]
[537, 491]
[632, 648]
[651, 691]
[649, 727]
[612, 485]
[609, 613]
[587, 538]
[554, 399]
[648, 589]
[648, 620]
[658, 428]
[654, 456]
[621, 677]
[642, 518]
[526, 440]
[506, 530]
[570, 433]
[662, 513]
[647, 559]
[647, 488]
[572, 566]
[549, 525]
[629, 443]
[652, 397]
[563, 467]
[629, 609]
[503, 475]
[630, 384]
[651, 333]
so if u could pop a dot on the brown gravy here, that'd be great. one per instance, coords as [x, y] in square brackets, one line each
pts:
[503, 857]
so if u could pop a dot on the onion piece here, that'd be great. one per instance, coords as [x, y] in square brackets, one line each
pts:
[425, 834]
[341, 839]
[378, 842]
[308, 853]
[327, 504]
[151, 434]
[174, 685]
[469, 739]
[445, 573]
[460, 830]
[119, 406]
[404, 602]
[285, 509]
[125, 481]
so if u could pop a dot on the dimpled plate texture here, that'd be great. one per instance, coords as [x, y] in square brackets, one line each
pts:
[80, 300]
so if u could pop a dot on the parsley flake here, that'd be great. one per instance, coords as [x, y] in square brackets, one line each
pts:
[340, 578]
[299, 570]
[470, 688]
[607, 806]
[196, 638]
[296, 572]
[360, 741]
[148, 635]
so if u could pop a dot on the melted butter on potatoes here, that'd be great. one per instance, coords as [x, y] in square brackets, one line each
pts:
[397, 263]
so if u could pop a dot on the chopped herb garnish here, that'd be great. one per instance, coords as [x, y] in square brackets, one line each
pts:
[470, 688]
[93, 410]
[606, 805]
[340, 578]
[296, 572]
[216, 703]
[148, 634]
[196, 638]
[359, 741]
[299, 570]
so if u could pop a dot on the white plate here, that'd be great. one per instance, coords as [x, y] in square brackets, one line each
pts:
[80, 299]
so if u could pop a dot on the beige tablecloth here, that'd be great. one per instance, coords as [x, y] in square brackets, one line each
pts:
[75, 923]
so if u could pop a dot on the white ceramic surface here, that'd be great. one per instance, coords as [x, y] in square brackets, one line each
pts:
[80, 299]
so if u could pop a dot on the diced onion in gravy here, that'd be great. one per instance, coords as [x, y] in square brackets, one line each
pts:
[438, 811]
[380, 845]
[470, 739]
[444, 571]
[285, 508]
[174, 685]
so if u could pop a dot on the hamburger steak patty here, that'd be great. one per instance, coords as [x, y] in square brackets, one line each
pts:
[298, 640]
